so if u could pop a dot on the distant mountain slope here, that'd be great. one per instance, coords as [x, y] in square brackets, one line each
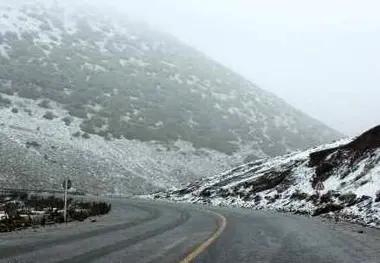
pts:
[75, 77]
[36, 152]
[124, 79]
[349, 169]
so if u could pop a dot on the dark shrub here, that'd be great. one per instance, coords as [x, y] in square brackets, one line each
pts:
[51, 205]
[298, 195]
[328, 208]
[377, 197]
[271, 199]
[86, 135]
[86, 126]
[18, 195]
[258, 198]
[348, 199]
[76, 135]
[33, 144]
[363, 198]
[205, 193]
[247, 197]
[224, 193]
[327, 197]
[44, 104]
[79, 214]
[49, 115]
[363, 182]
[14, 110]
[28, 111]
[23, 195]
[78, 112]
[67, 120]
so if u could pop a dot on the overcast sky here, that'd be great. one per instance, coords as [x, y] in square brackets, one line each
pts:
[322, 57]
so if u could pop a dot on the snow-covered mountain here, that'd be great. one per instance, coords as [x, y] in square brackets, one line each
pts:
[122, 107]
[349, 170]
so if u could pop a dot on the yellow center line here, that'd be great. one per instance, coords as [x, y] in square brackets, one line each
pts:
[222, 223]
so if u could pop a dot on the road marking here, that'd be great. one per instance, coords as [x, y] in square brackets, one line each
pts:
[167, 248]
[175, 243]
[222, 223]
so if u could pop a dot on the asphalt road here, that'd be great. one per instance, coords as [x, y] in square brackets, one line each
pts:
[149, 232]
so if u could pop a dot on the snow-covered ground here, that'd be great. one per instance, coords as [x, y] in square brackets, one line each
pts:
[120, 166]
[349, 170]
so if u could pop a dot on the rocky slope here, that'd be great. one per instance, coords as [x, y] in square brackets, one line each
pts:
[120, 106]
[349, 170]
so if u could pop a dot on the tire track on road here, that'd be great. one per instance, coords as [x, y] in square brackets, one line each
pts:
[12, 251]
[106, 250]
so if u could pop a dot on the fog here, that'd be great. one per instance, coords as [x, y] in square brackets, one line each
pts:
[322, 57]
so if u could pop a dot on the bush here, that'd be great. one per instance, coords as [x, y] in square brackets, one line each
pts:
[28, 111]
[258, 198]
[76, 135]
[67, 120]
[86, 126]
[49, 115]
[328, 208]
[78, 112]
[50, 205]
[97, 121]
[99, 208]
[18, 195]
[14, 110]
[298, 195]
[33, 144]
[377, 197]
[326, 198]
[44, 104]
[348, 199]
[205, 193]
[364, 198]
[78, 214]
[86, 135]
[271, 199]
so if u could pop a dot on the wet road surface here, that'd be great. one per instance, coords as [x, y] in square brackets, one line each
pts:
[151, 232]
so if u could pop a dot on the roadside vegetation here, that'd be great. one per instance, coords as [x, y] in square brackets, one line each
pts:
[19, 210]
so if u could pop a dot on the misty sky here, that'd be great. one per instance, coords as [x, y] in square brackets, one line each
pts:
[322, 56]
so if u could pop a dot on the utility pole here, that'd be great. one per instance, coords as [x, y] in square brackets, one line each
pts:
[65, 201]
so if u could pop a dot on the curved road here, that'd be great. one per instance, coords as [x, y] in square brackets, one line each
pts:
[149, 232]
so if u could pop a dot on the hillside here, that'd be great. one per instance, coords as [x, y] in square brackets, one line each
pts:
[124, 103]
[349, 170]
